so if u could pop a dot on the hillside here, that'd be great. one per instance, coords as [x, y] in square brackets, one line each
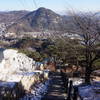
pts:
[11, 16]
[39, 20]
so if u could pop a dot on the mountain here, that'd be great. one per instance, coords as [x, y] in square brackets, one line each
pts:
[97, 14]
[39, 20]
[11, 16]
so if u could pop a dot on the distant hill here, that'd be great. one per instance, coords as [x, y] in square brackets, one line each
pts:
[11, 16]
[39, 20]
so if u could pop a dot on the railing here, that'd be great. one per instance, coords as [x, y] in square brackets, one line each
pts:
[71, 91]
[14, 93]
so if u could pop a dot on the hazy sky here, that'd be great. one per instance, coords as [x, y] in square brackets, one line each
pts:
[56, 5]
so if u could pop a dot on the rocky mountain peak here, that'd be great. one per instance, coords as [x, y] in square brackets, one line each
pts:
[40, 19]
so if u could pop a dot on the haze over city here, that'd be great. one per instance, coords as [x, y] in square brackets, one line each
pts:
[60, 6]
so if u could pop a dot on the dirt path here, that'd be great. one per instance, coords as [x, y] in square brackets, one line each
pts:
[56, 90]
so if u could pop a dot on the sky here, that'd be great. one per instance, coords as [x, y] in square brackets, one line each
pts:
[60, 6]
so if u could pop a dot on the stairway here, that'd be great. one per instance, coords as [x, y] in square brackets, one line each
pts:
[56, 90]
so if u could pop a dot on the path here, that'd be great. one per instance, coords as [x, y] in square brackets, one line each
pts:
[56, 89]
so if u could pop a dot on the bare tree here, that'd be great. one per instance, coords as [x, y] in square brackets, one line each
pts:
[88, 27]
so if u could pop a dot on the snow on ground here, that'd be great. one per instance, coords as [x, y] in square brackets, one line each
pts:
[77, 81]
[38, 92]
[87, 92]
[7, 84]
[90, 92]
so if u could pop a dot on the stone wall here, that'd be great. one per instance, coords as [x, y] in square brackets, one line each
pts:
[17, 67]
[16, 62]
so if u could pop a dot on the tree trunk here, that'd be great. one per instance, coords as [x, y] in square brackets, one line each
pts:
[88, 74]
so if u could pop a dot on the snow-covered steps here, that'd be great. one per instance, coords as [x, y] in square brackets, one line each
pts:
[38, 91]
